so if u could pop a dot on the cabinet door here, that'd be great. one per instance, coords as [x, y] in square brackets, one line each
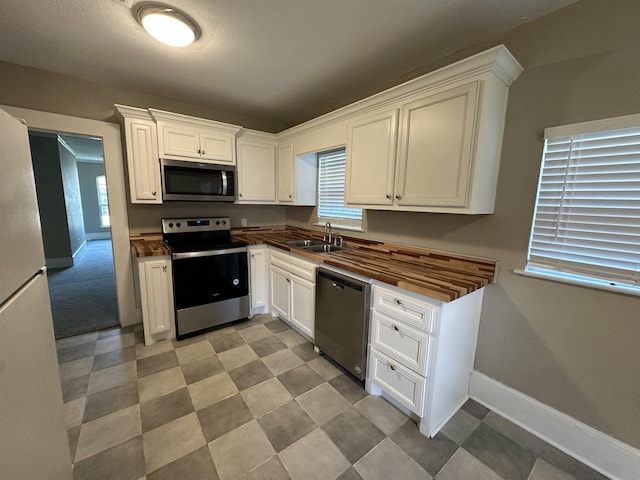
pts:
[142, 160]
[177, 141]
[157, 299]
[217, 147]
[258, 278]
[436, 149]
[303, 296]
[256, 172]
[370, 162]
[286, 172]
[280, 296]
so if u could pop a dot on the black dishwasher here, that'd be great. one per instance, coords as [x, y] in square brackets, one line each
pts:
[342, 320]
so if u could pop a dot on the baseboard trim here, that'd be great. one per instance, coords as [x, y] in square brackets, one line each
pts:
[97, 236]
[59, 262]
[603, 453]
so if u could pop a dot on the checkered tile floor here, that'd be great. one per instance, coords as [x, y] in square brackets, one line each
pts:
[254, 401]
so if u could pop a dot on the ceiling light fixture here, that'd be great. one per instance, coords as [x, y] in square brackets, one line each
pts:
[167, 25]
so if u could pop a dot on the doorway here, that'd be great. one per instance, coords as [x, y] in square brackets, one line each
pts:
[74, 213]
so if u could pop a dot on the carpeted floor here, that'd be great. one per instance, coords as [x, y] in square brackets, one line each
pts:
[83, 297]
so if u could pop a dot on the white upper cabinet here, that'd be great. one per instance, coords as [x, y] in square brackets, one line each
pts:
[371, 158]
[297, 176]
[441, 152]
[142, 155]
[436, 149]
[256, 168]
[286, 180]
[181, 137]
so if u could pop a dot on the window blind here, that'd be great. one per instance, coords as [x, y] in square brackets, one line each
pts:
[587, 214]
[331, 166]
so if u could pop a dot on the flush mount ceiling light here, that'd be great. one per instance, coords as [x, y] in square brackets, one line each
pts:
[167, 25]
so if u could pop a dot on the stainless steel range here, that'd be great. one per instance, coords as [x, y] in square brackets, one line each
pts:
[210, 273]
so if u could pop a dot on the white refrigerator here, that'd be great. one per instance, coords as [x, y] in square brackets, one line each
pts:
[33, 438]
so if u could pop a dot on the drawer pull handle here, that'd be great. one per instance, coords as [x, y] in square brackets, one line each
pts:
[398, 301]
[395, 327]
[391, 366]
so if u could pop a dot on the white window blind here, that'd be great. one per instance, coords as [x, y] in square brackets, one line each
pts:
[331, 166]
[587, 215]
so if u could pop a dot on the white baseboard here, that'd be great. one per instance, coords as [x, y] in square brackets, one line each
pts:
[97, 236]
[603, 453]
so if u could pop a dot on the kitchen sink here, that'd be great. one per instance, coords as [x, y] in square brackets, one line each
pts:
[323, 248]
[304, 243]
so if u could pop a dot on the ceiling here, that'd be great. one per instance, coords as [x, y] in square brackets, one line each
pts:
[285, 61]
[86, 149]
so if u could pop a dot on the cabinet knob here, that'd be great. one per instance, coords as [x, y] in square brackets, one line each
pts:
[253, 256]
[288, 280]
[398, 197]
[164, 268]
[153, 193]
[398, 301]
[203, 152]
[199, 151]
[239, 194]
[289, 196]
[388, 195]
[395, 327]
[391, 366]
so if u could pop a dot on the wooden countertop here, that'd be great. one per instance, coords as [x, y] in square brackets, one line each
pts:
[148, 245]
[440, 275]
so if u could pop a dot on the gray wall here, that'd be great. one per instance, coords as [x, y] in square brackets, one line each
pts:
[53, 214]
[36, 89]
[146, 218]
[573, 348]
[87, 173]
[72, 198]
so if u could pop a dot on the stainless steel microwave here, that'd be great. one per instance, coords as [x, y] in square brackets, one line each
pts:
[197, 182]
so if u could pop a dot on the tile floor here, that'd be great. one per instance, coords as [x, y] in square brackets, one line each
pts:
[254, 401]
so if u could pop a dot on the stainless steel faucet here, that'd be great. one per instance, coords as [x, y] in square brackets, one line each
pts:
[327, 228]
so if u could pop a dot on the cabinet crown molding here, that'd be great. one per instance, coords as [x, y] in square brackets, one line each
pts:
[497, 61]
[124, 111]
[161, 115]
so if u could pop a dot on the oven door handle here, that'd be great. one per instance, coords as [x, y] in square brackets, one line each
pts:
[207, 253]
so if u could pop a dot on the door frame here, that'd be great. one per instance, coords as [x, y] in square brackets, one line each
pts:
[110, 134]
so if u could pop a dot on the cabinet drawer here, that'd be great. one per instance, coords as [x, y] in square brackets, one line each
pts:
[402, 343]
[294, 265]
[405, 308]
[404, 385]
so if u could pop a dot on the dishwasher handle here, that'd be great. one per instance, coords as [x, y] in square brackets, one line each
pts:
[341, 281]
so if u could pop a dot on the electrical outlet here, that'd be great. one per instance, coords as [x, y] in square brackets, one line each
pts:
[244, 222]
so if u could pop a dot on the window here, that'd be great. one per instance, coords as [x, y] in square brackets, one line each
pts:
[331, 191]
[103, 204]
[586, 226]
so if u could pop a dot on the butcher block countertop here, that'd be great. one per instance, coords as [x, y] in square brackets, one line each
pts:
[439, 275]
[148, 245]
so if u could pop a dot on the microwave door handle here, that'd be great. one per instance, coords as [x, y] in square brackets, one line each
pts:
[224, 183]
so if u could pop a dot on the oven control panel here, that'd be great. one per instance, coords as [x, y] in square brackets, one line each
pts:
[201, 224]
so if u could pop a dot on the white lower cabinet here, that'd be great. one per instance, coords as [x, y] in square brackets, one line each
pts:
[293, 291]
[422, 352]
[156, 298]
[259, 280]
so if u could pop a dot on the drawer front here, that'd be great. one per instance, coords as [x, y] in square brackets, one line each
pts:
[402, 343]
[405, 308]
[404, 385]
[294, 265]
